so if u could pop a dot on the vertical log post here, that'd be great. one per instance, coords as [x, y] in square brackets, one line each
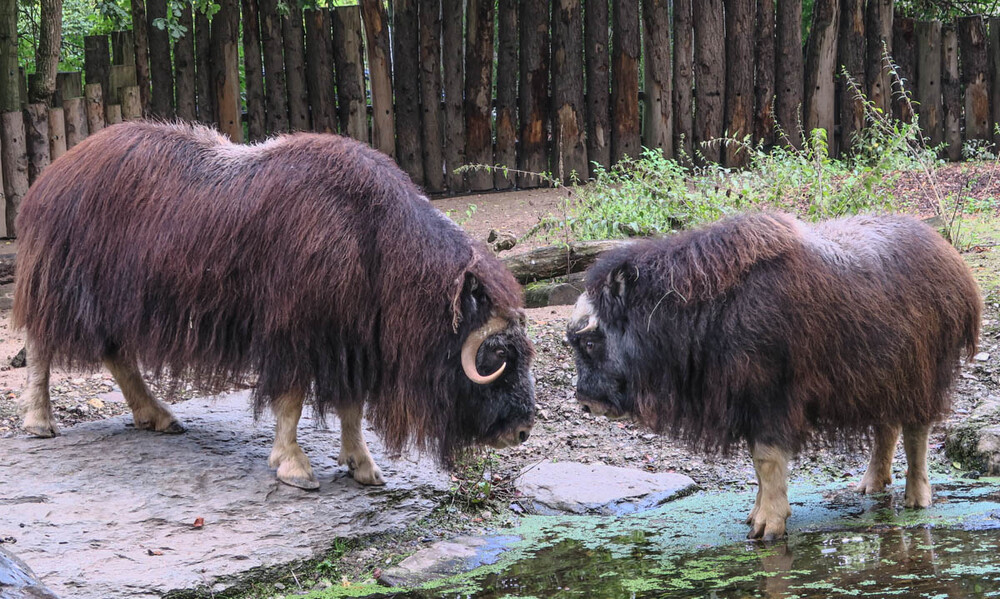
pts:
[851, 58]
[184, 67]
[274, 66]
[131, 104]
[790, 74]
[683, 95]
[122, 46]
[406, 84]
[625, 80]
[598, 84]
[951, 90]
[75, 111]
[505, 153]
[658, 124]
[764, 89]
[975, 63]
[295, 68]
[995, 84]
[226, 70]
[821, 60]
[568, 116]
[452, 17]
[36, 135]
[930, 109]
[57, 132]
[14, 157]
[254, 72]
[479, 91]
[95, 107]
[904, 52]
[203, 62]
[319, 71]
[97, 62]
[140, 47]
[709, 77]
[376, 21]
[534, 91]
[351, 105]
[113, 114]
[739, 78]
[878, 30]
[162, 101]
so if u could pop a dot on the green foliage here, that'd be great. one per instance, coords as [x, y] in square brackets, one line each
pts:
[477, 484]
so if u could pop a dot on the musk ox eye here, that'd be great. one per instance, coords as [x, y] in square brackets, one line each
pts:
[589, 345]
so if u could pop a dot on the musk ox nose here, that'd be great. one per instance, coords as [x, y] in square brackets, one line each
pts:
[522, 434]
[586, 408]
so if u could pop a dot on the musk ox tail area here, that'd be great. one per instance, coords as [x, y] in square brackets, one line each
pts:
[309, 261]
[764, 328]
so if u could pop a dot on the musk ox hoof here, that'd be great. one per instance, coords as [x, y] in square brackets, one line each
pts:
[918, 498]
[366, 472]
[174, 428]
[870, 487]
[45, 429]
[765, 528]
[294, 477]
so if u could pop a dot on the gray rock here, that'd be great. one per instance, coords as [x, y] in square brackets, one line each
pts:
[17, 581]
[107, 511]
[445, 558]
[975, 441]
[552, 488]
[981, 357]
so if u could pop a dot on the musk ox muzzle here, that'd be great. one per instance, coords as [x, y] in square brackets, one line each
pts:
[765, 331]
[309, 263]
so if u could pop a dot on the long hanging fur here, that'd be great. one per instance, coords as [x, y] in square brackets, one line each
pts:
[763, 328]
[310, 260]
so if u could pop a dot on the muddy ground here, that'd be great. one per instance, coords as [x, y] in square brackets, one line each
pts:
[562, 430]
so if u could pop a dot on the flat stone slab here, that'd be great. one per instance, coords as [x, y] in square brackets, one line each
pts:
[445, 558]
[107, 511]
[552, 488]
[17, 581]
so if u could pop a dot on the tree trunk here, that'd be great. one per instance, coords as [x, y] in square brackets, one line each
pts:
[625, 80]
[140, 41]
[709, 78]
[975, 62]
[10, 86]
[821, 62]
[657, 127]
[995, 87]
[131, 104]
[683, 96]
[295, 68]
[533, 91]
[274, 67]
[97, 63]
[951, 91]
[95, 107]
[505, 154]
[36, 134]
[184, 67]
[851, 58]
[14, 157]
[929, 102]
[162, 101]
[878, 30]
[452, 17]
[75, 111]
[376, 21]
[352, 107]
[598, 84]
[904, 52]
[790, 74]
[406, 84]
[226, 73]
[253, 70]
[568, 122]
[763, 91]
[43, 85]
[739, 78]
[479, 91]
[203, 62]
[319, 70]
[57, 133]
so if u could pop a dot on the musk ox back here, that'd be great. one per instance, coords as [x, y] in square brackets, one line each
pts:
[309, 261]
[765, 330]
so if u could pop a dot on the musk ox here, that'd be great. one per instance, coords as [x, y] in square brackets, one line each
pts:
[765, 330]
[309, 261]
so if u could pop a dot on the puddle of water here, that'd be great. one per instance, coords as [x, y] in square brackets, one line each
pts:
[840, 545]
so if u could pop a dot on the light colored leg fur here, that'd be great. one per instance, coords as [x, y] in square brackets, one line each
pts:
[767, 520]
[879, 473]
[353, 449]
[35, 404]
[148, 413]
[918, 486]
[286, 455]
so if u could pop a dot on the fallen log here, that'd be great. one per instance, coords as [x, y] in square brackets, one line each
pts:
[556, 260]
[562, 291]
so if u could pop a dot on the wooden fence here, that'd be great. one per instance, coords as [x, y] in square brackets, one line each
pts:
[528, 84]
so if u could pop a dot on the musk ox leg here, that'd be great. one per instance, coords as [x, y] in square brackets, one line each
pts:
[879, 473]
[353, 449]
[148, 413]
[918, 485]
[286, 455]
[767, 519]
[35, 403]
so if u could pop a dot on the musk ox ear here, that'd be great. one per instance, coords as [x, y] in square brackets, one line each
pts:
[474, 298]
[619, 281]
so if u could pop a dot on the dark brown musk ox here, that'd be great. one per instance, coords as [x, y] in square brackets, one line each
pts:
[309, 261]
[764, 330]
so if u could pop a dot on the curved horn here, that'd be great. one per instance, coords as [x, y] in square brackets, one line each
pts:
[471, 348]
[591, 325]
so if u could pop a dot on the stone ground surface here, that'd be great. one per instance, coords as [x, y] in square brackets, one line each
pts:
[17, 581]
[105, 511]
[552, 488]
